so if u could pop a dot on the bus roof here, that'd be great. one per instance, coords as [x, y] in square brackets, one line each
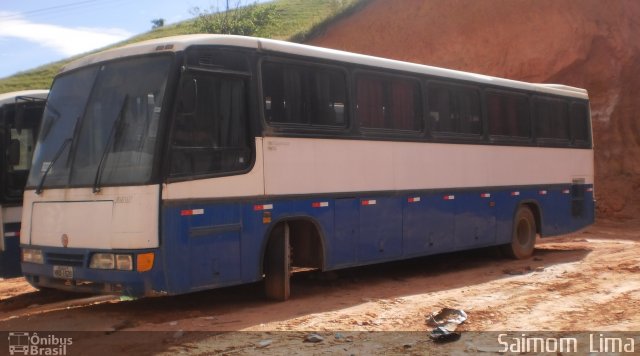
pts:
[10, 98]
[178, 43]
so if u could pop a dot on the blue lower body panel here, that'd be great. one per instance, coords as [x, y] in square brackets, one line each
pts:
[215, 244]
[208, 244]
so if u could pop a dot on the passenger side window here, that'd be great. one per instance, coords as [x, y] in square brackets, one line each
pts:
[508, 115]
[298, 95]
[454, 109]
[388, 103]
[579, 117]
[212, 136]
[551, 119]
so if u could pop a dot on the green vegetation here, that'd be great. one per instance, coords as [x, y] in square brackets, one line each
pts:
[293, 20]
[245, 20]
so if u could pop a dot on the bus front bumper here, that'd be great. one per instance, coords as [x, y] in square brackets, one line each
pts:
[76, 276]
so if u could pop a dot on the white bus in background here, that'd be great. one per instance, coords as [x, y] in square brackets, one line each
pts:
[196, 162]
[20, 114]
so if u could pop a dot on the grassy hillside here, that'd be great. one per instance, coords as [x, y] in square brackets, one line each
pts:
[296, 21]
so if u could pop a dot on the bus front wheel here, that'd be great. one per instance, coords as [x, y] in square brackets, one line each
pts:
[523, 236]
[277, 261]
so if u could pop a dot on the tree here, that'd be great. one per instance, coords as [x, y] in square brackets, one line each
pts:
[157, 23]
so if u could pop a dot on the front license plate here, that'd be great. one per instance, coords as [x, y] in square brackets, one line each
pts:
[63, 272]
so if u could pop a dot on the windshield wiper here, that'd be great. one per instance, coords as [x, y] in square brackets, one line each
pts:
[115, 128]
[65, 143]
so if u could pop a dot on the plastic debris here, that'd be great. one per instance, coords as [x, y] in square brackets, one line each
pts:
[445, 323]
[313, 338]
[447, 316]
[440, 334]
[339, 336]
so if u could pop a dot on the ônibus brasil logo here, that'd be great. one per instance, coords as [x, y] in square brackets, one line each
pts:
[25, 343]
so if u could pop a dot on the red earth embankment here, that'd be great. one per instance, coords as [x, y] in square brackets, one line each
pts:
[592, 44]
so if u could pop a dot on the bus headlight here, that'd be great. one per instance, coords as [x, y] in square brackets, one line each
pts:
[103, 261]
[124, 262]
[32, 255]
[111, 261]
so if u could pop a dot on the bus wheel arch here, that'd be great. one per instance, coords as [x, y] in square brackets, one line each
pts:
[294, 242]
[526, 227]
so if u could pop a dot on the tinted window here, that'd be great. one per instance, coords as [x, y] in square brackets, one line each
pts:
[454, 109]
[64, 108]
[212, 139]
[551, 118]
[303, 95]
[508, 115]
[579, 118]
[388, 103]
[101, 122]
[117, 136]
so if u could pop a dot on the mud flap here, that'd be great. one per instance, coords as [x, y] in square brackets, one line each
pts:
[277, 264]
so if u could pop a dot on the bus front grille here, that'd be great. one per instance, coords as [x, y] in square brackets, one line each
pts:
[65, 259]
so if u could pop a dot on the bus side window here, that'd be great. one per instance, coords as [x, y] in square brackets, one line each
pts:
[213, 139]
[385, 102]
[579, 118]
[454, 109]
[551, 119]
[508, 115]
[300, 95]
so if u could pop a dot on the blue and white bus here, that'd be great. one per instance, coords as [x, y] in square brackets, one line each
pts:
[196, 162]
[20, 114]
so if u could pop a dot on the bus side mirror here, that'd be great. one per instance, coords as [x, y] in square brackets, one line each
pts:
[188, 97]
[14, 152]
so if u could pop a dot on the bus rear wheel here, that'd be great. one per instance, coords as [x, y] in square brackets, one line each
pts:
[523, 236]
[277, 262]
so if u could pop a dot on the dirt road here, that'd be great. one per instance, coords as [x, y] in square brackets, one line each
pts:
[588, 281]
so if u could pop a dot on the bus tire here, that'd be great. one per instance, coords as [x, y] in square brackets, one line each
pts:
[523, 236]
[277, 261]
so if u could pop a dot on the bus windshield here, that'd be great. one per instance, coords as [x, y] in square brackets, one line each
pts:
[100, 125]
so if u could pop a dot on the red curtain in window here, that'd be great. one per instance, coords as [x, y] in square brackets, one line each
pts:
[403, 108]
[370, 102]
